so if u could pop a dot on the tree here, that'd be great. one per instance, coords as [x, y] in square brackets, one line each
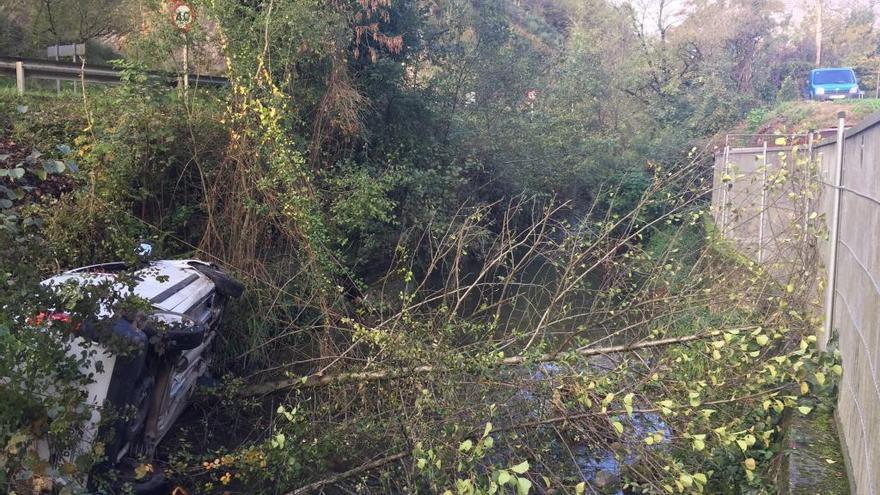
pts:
[78, 21]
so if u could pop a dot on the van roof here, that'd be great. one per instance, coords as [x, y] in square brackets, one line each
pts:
[831, 68]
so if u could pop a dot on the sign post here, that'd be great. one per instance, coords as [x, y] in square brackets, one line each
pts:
[183, 16]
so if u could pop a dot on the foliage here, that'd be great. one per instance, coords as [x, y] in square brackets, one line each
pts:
[453, 207]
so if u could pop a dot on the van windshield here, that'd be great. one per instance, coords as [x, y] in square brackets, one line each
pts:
[841, 76]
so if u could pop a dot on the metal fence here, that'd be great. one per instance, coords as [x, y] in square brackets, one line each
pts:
[814, 207]
[24, 68]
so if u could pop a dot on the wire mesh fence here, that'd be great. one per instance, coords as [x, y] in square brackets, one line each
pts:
[808, 211]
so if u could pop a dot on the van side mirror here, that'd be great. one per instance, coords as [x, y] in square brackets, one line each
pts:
[144, 251]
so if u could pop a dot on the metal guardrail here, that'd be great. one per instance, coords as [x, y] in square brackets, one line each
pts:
[20, 68]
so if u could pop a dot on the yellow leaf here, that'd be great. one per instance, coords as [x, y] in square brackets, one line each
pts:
[750, 464]
[805, 388]
[580, 488]
[618, 427]
[686, 480]
[820, 378]
[142, 470]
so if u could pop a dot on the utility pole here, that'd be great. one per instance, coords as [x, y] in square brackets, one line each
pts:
[819, 9]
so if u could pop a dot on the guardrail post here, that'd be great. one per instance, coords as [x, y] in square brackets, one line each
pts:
[828, 324]
[19, 77]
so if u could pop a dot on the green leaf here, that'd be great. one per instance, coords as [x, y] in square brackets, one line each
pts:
[628, 403]
[804, 410]
[32, 158]
[465, 446]
[5, 203]
[523, 485]
[700, 478]
[503, 477]
[487, 429]
[421, 463]
[53, 166]
[16, 173]
[521, 467]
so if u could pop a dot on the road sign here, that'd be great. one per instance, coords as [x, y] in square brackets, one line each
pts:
[56, 51]
[182, 15]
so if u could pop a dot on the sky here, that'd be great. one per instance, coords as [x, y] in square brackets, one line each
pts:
[798, 8]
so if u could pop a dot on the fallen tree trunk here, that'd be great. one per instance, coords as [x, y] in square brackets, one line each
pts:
[310, 381]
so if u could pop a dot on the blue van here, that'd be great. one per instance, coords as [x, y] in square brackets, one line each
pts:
[835, 83]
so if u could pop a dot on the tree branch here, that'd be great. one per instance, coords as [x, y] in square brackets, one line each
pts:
[312, 381]
[352, 472]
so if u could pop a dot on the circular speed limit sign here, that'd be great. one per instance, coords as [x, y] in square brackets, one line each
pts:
[182, 15]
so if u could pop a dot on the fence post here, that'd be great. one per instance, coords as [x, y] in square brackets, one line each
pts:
[762, 213]
[828, 324]
[725, 190]
[19, 77]
[808, 180]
